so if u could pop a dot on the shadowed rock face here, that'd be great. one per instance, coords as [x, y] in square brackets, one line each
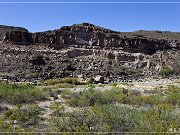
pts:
[91, 36]
[7, 29]
[87, 51]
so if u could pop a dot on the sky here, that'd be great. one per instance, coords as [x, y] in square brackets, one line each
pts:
[116, 16]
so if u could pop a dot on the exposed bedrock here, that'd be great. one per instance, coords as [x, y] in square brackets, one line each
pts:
[90, 36]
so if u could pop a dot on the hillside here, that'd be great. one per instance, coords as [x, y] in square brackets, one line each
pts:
[86, 79]
[87, 51]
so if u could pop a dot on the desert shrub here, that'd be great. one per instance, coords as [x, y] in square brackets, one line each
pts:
[20, 93]
[152, 99]
[173, 89]
[174, 98]
[118, 119]
[158, 119]
[100, 118]
[64, 85]
[128, 84]
[113, 118]
[143, 100]
[57, 108]
[68, 94]
[52, 81]
[76, 121]
[173, 95]
[165, 71]
[68, 80]
[29, 114]
[91, 96]
[86, 98]
[4, 126]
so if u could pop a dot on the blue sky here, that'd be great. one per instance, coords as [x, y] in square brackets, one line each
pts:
[120, 17]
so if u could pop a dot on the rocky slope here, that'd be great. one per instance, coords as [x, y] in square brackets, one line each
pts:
[87, 51]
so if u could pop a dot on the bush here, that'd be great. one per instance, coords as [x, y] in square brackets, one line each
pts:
[90, 97]
[173, 95]
[26, 115]
[173, 89]
[52, 81]
[158, 119]
[64, 85]
[106, 118]
[20, 93]
[174, 98]
[165, 71]
[5, 127]
[73, 81]
[67, 93]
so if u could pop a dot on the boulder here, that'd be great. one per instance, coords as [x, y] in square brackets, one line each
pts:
[39, 60]
[99, 79]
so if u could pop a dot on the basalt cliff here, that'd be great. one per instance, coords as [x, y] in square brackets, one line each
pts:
[89, 52]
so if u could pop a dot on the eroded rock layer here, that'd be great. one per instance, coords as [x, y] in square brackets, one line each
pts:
[91, 36]
[87, 51]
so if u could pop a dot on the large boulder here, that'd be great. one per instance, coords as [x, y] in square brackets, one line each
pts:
[99, 79]
[39, 60]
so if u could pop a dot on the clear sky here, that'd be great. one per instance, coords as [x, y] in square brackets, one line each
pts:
[119, 17]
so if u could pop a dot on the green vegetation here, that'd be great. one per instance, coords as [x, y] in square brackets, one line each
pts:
[26, 119]
[26, 115]
[173, 95]
[64, 85]
[20, 93]
[112, 118]
[73, 81]
[165, 71]
[90, 110]
[107, 118]
[127, 71]
[161, 118]
[90, 97]
[101, 113]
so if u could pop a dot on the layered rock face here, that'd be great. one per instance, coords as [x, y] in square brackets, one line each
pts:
[87, 51]
[91, 36]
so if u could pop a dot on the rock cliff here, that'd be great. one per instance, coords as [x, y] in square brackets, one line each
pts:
[91, 36]
[87, 51]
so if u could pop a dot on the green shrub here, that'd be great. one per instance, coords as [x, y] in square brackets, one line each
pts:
[52, 81]
[4, 126]
[165, 71]
[66, 93]
[57, 108]
[91, 96]
[106, 118]
[20, 93]
[173, 95]
[64, 85]
[25, 115]
[174, 98]
[68, 80]
[173, 89]
[158, 119]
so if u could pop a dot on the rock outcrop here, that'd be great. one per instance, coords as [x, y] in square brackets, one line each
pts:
[88, 52]
[90, 36]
